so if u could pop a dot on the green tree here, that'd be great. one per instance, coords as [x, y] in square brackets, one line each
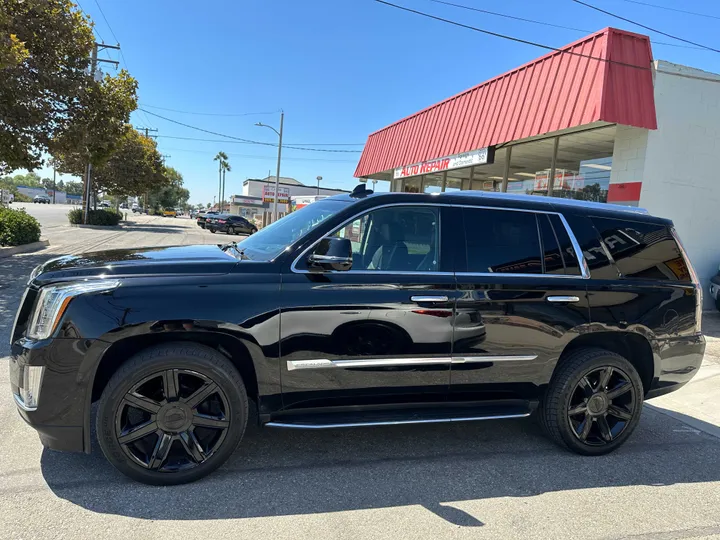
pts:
[73, 188]
[45, 47]
[170, 195]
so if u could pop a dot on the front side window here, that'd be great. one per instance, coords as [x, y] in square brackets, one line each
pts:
[395, 239]
[502, 242]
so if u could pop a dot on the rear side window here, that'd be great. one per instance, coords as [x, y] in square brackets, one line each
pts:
[589, 241]
[502, 241]
[572, 266]
[551, 252]
[643, 250]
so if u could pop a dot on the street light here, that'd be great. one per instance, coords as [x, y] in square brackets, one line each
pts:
[277, 174]
[318, 179]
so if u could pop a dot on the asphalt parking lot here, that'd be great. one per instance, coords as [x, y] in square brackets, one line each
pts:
[499, 479]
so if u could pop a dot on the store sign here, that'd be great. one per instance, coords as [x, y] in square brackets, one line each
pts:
[466, 159]
[246, 200]
[269, 194]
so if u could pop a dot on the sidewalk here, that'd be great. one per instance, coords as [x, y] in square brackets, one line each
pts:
[697, 404]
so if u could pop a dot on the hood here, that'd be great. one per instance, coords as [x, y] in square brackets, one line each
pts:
[201, 259]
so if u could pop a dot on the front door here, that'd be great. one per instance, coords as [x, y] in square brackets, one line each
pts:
[379, 333]
[522, 293]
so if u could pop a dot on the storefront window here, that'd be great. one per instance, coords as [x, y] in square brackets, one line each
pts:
[432, 183]
[583, 165]
[453, 184]
[412, 185]
[530, 165]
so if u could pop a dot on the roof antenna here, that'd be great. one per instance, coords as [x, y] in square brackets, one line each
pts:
[361, 191]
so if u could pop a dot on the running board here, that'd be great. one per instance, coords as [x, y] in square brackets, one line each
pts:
[398, 417]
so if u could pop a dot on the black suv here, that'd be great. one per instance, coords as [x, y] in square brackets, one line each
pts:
[230, 224]
[361, 310]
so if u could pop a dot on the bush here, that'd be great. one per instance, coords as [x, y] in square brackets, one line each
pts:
[17, 228]
[107, 217]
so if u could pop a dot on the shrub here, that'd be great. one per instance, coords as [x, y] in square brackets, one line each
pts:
[17, 228]
[107, 217]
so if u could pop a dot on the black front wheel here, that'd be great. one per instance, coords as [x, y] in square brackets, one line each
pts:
[593, 402]
[212, 230]
[172, 414]
[230, 230]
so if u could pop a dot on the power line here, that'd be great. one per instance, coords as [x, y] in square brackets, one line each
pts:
[673, 9]
[511, 38]
[255, 156]
[205, 114]
[643, 26]
[248, 141]
[543, 23]
[97, 33]
[241, 142]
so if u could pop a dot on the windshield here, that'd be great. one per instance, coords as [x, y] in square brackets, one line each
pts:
[270, 241]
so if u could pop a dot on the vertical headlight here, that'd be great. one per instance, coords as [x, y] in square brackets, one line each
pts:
[53, 301]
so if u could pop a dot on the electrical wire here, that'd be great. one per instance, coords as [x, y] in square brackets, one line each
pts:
[511, 38]
[93, 24]
[552, 25]
[673, 9]
[249, 141]
[643, 26]
[255, 156]
[206, 114]
[240, 142]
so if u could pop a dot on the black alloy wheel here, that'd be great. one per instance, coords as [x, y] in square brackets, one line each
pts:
[172, 414]
[212, 230]
[601, 405]
[593, 402]
[172, 420]
[231, 230]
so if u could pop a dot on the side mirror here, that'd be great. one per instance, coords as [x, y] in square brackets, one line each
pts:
[332, 254]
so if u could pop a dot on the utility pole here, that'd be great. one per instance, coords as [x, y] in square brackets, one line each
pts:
[54, 185]
[277, 177]
[94, 60]
[147, 131]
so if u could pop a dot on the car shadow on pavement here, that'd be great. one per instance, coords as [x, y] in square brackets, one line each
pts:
[131, 227]
[278, 473]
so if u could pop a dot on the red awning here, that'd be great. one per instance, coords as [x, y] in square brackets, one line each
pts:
[556, 91]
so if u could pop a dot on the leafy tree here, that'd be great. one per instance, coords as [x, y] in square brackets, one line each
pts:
[45, 47]
[170, 195]
[73, 188]
[133, 169]
[60, 185]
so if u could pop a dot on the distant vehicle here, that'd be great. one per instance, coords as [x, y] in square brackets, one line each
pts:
[6, 197]
[202, 216]
[41, 199]
[179, 212]
[230, 224]
[124, 206]
[170, 212]
[104, 204]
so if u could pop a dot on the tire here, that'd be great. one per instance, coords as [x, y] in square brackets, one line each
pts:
[717, 302]
[193, 451]
[212, 230]
[230, 230]
[574, 386]
[253, 231]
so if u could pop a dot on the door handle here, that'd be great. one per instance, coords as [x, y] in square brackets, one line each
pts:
[562, 299]
[420, 299]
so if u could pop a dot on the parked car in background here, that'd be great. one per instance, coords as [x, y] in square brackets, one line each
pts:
[135, 208]
[230, 224]
[104, 204]
[361, 310]
[42, 199]
[169, 212]
[203, 216]
[715, 289]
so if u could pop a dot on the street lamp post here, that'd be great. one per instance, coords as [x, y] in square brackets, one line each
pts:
[277, 174]
[318, 179]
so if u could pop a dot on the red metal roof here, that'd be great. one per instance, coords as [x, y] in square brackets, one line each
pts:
[554, 92]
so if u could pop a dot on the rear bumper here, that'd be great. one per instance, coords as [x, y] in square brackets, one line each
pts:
[677, 360]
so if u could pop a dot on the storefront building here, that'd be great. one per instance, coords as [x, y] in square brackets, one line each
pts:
[599, 120]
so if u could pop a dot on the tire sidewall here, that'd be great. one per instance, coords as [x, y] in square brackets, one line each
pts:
[222, 375]
[563, 422]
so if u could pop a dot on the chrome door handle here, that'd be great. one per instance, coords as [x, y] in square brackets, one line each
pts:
[429, 298]
[562, 299]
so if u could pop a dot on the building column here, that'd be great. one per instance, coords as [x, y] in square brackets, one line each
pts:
[506, 172]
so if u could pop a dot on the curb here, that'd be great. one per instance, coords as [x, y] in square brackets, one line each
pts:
[25, 248]
[97, 227]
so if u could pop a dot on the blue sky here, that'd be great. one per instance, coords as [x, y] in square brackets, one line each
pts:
[340, 69]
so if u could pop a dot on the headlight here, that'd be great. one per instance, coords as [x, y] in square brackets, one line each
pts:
[53, 301]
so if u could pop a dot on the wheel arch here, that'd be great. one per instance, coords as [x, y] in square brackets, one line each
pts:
[630, 345]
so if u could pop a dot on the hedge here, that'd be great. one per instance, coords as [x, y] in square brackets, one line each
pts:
[18, 228]
[104, 216]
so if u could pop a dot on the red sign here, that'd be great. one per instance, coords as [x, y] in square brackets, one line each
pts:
[425, 168]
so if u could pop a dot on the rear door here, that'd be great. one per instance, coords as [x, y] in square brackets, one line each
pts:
[521, 295]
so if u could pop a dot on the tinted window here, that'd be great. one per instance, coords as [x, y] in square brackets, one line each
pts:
[502, 241]
[551, 252]
[399, 239]
[595, 256]
[642, 250]
[572, 266]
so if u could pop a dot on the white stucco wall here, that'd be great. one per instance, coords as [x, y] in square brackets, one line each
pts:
[681, 179]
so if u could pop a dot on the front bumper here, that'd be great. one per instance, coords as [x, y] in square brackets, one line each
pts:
[677, 360]
[61, 414]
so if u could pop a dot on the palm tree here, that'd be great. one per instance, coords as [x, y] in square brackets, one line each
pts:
[222, 159]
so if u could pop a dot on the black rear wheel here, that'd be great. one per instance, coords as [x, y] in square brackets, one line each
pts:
[593, 402]
[172, 414]
[231, 230]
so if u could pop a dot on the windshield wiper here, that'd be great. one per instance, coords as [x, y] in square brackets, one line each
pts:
[234, 246]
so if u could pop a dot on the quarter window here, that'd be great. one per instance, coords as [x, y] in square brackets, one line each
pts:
[502, 241]
[396, 239]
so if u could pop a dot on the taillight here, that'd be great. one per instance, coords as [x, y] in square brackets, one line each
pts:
[695, 281]
[221, 221]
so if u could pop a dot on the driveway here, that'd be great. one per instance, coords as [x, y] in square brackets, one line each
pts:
[480, 480]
